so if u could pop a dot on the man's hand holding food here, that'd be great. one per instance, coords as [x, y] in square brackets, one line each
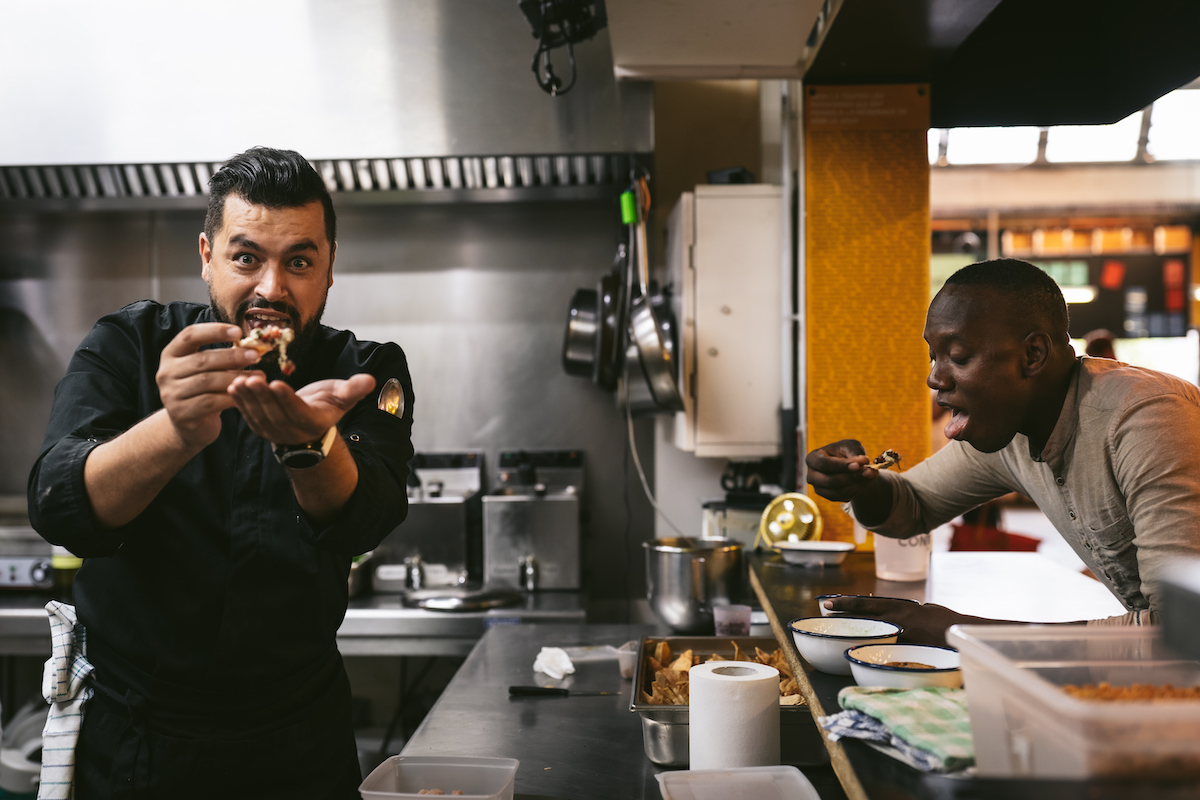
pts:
[843, 472]
[193, 383]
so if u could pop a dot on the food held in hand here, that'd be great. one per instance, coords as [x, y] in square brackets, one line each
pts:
[908, 665]
[889, 458]
[1136, 693]
[268, 338]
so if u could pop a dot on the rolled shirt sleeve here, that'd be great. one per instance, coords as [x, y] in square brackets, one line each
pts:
[95, 401]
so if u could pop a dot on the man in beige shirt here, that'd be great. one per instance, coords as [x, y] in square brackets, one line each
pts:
[1109, 452]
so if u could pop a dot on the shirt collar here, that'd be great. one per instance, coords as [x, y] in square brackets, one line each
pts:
[1066, 426]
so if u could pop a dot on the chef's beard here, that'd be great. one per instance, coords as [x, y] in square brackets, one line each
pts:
[299, 346]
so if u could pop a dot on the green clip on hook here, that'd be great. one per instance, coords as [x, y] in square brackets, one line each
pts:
[628, 208]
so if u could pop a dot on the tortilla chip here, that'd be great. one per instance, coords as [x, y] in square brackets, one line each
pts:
[684, 662]
[791, 700]
[662, 652]
[715, 657]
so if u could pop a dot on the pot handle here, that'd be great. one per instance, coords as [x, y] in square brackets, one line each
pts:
[700, 583]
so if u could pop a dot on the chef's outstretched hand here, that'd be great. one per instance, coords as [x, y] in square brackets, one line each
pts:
[839, 471]
[922, 623]
[283, 416]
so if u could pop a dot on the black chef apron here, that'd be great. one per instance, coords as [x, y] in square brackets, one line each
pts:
[301, 746]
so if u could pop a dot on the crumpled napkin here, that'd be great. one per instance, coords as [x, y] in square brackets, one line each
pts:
[553, 661]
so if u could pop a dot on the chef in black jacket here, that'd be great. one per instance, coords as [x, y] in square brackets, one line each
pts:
[217, 505]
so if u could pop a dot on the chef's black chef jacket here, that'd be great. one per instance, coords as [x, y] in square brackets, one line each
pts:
[222, 595]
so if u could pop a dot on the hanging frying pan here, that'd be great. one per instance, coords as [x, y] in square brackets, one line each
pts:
[654, 350]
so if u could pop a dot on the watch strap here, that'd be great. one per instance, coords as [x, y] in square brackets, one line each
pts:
[308, 454]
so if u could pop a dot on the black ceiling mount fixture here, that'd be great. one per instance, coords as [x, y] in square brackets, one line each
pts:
[1016, 62]
[561, 23]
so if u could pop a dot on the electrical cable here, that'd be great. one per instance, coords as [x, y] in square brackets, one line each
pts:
[637, 462]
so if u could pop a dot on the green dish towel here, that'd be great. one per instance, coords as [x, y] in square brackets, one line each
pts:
[934, 720]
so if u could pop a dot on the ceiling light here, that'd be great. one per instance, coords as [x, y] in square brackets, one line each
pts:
[992, 145]
[1115, 142]
[1079, 294]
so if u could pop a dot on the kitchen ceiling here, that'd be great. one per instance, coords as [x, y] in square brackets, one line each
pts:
[989, 62]
[1016, 62]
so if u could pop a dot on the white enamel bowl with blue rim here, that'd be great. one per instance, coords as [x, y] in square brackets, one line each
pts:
[869, 664]
[823, 640]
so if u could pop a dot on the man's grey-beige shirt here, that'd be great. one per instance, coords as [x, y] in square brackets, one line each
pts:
[1119, 478]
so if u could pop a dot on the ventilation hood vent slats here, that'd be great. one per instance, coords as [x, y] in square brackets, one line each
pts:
[378, 180]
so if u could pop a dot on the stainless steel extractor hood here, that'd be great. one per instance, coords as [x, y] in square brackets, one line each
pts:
[192, 82]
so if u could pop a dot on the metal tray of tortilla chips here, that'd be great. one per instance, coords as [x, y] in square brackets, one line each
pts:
[665, 727]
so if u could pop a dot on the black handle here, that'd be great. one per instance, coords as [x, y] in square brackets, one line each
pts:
[536, 691]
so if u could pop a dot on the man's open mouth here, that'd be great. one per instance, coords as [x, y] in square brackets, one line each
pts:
[261, 318]
[957, 423]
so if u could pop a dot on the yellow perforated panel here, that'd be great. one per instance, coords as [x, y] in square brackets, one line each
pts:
[867, 194]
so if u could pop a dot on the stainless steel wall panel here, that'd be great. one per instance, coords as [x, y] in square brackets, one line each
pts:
[476, 294]
[353, 79]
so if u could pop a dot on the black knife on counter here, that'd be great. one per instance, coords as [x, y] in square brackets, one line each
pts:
[551, 691]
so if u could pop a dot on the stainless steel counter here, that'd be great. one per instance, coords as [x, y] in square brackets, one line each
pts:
[376, 625]
[576, 747]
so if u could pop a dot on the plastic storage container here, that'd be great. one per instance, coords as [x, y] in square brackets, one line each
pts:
[1023, 723]
[760, 783]
[476, 778]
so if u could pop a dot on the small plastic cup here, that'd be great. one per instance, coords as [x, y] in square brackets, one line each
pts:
[627, 659]
[732, 620]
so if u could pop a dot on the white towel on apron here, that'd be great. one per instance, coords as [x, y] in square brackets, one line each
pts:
[64, 689]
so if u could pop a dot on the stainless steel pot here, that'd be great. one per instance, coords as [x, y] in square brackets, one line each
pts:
[685, 577]
[583, 330]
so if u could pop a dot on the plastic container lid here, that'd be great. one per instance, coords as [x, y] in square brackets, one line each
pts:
[476, 778]
[747, 783]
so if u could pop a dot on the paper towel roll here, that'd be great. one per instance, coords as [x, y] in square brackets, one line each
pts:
[734, 715]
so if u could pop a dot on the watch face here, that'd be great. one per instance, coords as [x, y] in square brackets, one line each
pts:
[300, 459]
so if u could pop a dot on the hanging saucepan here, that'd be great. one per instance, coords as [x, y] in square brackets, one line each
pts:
[654, 352]
[610, 294]
[581, 341]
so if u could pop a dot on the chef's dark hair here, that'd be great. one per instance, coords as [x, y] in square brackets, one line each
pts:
[1030, 288]
[267, 177]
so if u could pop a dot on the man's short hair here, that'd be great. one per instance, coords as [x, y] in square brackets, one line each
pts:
[1032, 290]
[264, 176]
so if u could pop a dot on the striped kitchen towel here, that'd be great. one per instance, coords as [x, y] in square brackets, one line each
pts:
[63, 686]
[927, 728]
